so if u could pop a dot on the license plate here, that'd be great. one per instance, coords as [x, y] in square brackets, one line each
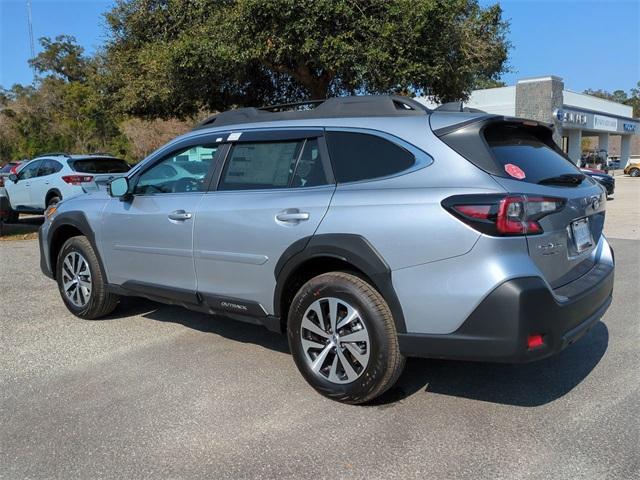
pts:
[581, 234]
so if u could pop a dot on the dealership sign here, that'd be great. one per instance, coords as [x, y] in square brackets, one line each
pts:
[629, 127]
[570, 117]
[605, 123]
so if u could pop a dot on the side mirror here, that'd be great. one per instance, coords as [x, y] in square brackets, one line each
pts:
[119, 187]
[13, 177]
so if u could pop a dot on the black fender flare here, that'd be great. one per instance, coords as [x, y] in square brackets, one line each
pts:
[351, 248]
[78, 220]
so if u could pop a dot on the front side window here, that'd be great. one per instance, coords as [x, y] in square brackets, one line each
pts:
[49, 167]
[182, 171]
[360, 156]
[30, 170]
[269, 165]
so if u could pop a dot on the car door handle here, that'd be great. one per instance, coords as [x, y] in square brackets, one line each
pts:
[292, 216]
[179, 215]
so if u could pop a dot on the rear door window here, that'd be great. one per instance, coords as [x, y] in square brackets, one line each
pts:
[269, 165]
[526, 149]
[100, 165]
[360, 156]
[49, 167]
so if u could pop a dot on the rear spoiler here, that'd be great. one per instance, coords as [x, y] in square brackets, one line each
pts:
[461, 122]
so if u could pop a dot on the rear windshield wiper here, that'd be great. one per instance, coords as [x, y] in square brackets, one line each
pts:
[564, 179]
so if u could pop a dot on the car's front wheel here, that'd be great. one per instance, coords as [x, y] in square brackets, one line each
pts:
[81, 281]
[634, 172]
[343, 338]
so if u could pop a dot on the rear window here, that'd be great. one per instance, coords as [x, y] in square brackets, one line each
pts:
[359, 156]
[100, 165]
[7, 168]
[526, 148]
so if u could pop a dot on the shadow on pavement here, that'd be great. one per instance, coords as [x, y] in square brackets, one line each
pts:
[28, 224]
[225, 327]
[526, 385]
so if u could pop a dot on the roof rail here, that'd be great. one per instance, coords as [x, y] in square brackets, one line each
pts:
[456, 107]
[282, 107]
[52, 154]
[351, 106]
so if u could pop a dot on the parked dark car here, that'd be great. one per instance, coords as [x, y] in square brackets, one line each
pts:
[604, 179]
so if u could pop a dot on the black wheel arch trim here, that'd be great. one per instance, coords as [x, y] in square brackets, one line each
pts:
[350, 248]
[78, 220]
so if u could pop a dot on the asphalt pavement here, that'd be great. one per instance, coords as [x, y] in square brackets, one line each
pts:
[160, 392]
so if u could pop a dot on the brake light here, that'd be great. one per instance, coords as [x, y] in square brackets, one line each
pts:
[77, 179]
[503, 215]
[534, 341]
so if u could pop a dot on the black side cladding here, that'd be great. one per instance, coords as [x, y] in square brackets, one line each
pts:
[350, 248]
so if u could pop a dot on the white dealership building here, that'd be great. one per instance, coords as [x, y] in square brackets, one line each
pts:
[575, 115]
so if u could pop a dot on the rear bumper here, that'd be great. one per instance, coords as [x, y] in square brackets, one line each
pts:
[499, 327]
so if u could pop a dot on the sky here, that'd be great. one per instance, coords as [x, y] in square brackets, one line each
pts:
[590, 44]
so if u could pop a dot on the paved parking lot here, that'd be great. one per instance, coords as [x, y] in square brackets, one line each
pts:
[161, 392]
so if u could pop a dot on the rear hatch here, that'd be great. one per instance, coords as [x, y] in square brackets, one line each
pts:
[523, 158]
[97, 172]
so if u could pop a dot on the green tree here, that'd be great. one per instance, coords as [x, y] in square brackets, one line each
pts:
[61, 58]
[169, 58]
[632, 99]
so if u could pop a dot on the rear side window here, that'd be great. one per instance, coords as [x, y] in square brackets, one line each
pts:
[100, 165]
[359, 156]
[528, 150]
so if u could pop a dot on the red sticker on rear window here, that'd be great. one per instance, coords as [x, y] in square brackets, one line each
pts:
[514, 170]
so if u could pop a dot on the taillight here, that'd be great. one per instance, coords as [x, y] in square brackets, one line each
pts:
[503, 215]
[77, 179]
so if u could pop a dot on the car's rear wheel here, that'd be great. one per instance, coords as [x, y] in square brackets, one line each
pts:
[81, 281]
[12, 216]
[343, 338]
[634, 172]
[53, 200]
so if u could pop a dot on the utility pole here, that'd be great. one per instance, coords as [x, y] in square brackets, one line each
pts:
[33, 50]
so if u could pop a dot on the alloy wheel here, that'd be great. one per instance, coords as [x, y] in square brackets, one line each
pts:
[76, 279]
[335, 340]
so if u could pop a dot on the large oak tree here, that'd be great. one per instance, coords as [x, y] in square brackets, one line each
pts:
[175, 57]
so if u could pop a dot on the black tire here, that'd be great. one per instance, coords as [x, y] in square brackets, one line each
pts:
[53, 200]
[385, 363]
[12, 217]
[100, 302]
[634, 172]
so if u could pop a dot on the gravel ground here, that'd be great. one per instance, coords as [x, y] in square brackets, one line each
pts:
[158, 391]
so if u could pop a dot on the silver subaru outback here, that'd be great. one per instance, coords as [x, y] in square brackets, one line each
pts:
[367, 229]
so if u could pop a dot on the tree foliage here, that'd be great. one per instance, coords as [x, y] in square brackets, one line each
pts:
[632, 98]
[69, 108]
[171, 57]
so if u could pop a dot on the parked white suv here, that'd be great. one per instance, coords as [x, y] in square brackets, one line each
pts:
[47, 179]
